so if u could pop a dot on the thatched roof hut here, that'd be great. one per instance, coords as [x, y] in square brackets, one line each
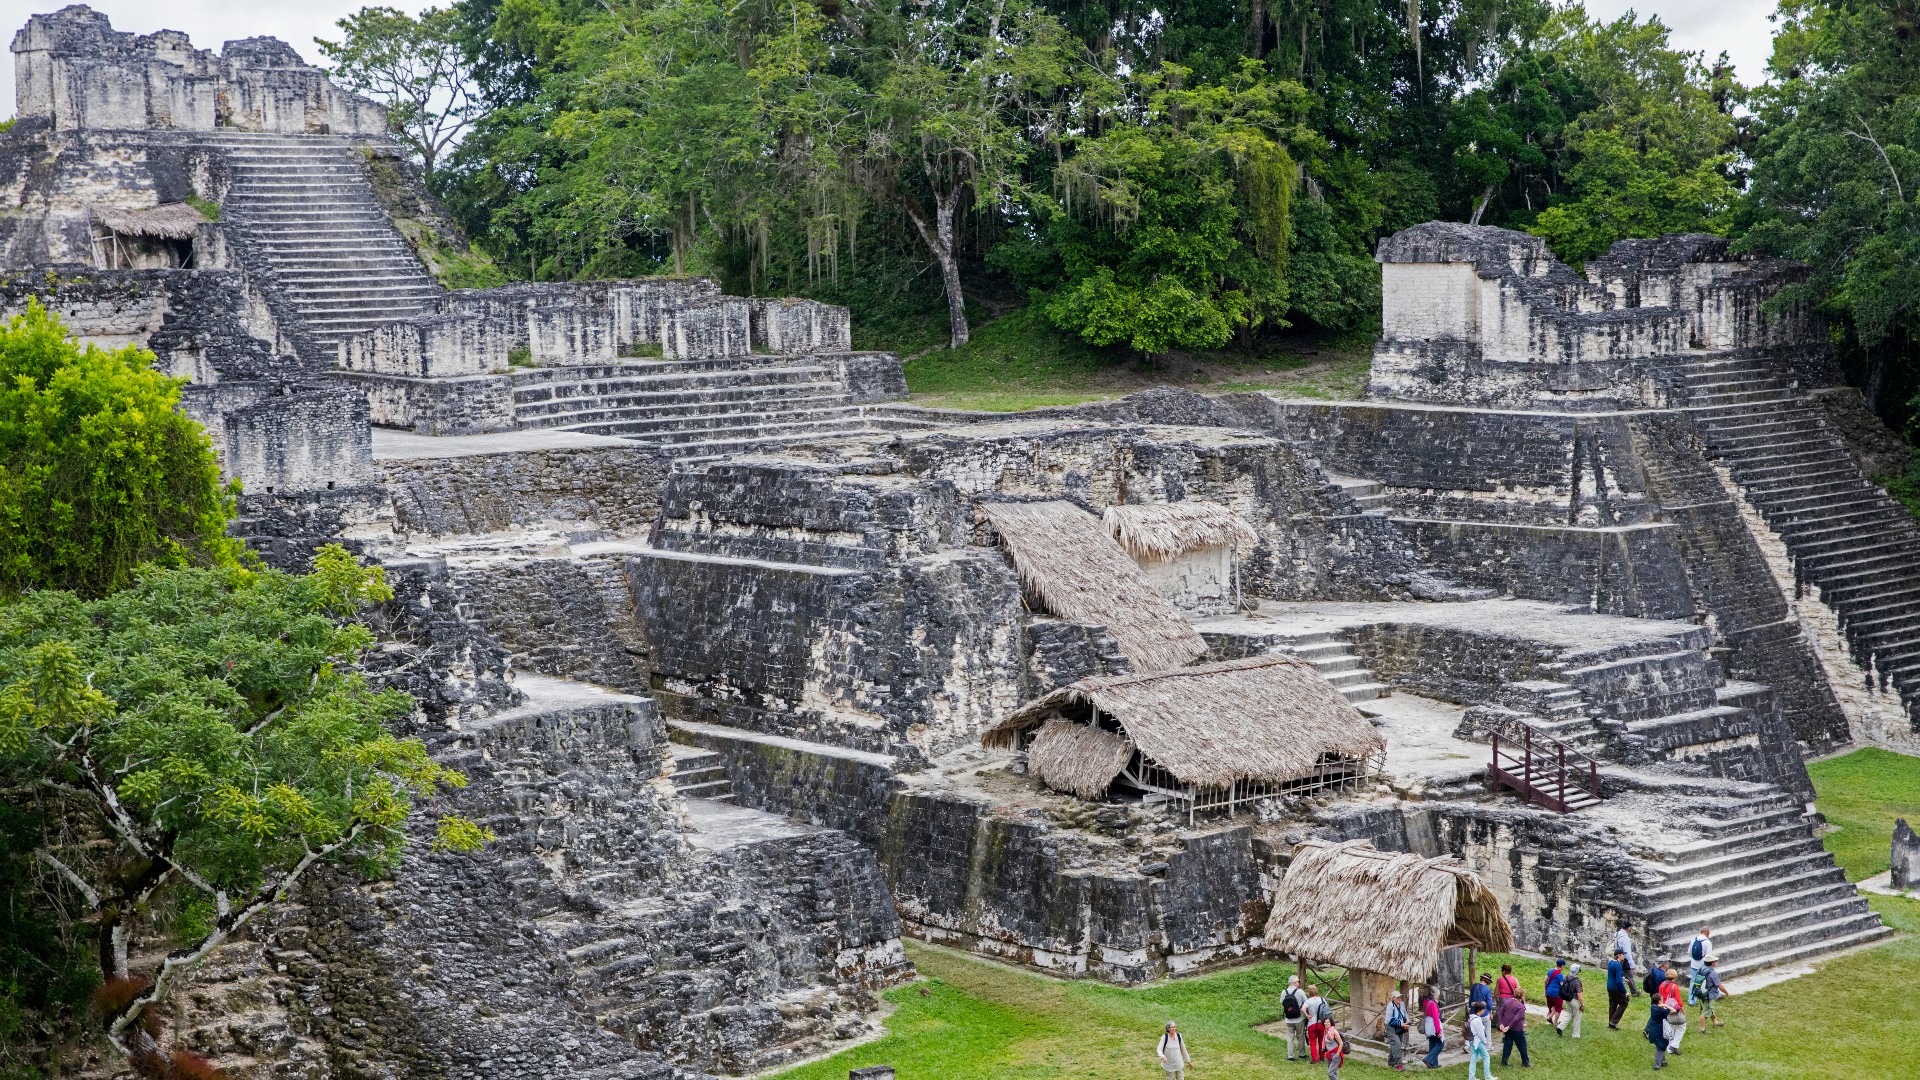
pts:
[1266, 720]
[169, 221]
[1380, 911]
[1151, 532]
[1076, 758]
[1071, 565]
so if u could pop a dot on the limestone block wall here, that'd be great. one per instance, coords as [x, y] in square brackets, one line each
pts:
[721, 327]
[432, 346]
[310, 440]
[640, 307]
[612, 490]
[791, 326]
[595, 937]
[868, 376]
[469, 405]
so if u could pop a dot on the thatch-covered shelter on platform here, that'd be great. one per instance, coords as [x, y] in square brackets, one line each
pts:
[159, 237]
[1208, 737]
[1386, 917]
[1190, 551]
[1074, 569]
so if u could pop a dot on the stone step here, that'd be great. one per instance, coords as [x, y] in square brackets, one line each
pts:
[662, 387]
[1767, 813]
[672, 425]
[1800, 943]
[1759, 906]
[1756, 866]
[1794, 828]
[1830, 939]
[1697, 907]
[1783, 921]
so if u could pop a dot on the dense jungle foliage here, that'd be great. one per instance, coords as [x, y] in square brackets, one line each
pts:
[1156, 177]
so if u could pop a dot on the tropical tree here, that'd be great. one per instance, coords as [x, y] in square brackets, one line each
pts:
[964, 96]
[1172, 227]
[99, 471]
[200, 739]
[417, 66]
[1836, 179]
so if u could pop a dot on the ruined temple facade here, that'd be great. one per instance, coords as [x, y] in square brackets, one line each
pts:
[715, 625]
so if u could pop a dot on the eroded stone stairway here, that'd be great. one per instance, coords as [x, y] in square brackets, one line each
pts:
[699, 407]
[1847, 538]
[304, 219]
[1761, 879]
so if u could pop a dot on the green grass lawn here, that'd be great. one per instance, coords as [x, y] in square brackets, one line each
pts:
[1861, 794]
[1018, 362]
[1857, 1018]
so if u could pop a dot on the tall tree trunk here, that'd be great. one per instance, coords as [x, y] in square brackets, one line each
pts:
[1485, 197]
[939, 236]
[1257, 28]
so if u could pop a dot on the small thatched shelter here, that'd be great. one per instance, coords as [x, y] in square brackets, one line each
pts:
[1189, 551]
[1209, 737]
[159, 237]
[1382, 911]
[1383, 916]
[1152, 532]
[1072, 566]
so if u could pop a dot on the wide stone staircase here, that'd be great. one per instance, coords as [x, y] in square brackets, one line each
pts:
[698, 407]
[1847, 538]
[310, 230]
[1761, 879]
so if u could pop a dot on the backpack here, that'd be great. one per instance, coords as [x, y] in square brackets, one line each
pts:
[1290, 1005]
[1699, 949]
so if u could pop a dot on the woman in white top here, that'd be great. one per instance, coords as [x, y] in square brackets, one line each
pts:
[1173, 1053]
[1479, 1042]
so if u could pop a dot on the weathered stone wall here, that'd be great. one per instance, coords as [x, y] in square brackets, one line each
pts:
[74, 71]
[438, 406]
[612, 489]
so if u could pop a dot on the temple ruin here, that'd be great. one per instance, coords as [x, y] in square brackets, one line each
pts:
[756, 669]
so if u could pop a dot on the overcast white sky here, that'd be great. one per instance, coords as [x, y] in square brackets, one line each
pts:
[1738, 26]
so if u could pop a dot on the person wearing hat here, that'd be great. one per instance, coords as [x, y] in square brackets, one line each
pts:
[1619, 985]
[1573, 996]
[1711, 990]
[1397, 1028]
[1554, 1002]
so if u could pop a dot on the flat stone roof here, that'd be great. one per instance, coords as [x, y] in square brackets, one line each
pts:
[391, 445]
[1526, 620]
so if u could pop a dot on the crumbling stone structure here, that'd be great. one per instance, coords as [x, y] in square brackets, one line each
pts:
[715, 631]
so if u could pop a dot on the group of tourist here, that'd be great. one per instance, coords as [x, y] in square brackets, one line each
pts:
[1499, 1008]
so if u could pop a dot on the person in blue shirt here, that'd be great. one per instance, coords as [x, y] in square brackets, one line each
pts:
[1618, 988]
[1482, 992]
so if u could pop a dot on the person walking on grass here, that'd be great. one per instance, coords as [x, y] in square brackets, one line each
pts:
[1479, 1042]
[1623, 945]
[1293, 1009]
[1711, 990]
[1507, 987]
[1676, 1014]
[1397, 1029]
[1482, 992]
[1619, 985]
[1554, 978]
[1656, 975]
[1431, 1026]
[1656, 1031]
[1333, 1049]
[1512, 1022]
[1174, 1058]
[1697, 963]
[1318, 1013]
[1573, 998]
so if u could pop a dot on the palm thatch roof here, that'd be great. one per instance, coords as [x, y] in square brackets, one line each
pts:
[1381, 911]
[1067, 560]
[1155, 531]
[1265, 718]
[1077, 759]
[170, 221]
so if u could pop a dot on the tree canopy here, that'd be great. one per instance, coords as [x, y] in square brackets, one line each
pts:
[1123, 164]
[99, 471]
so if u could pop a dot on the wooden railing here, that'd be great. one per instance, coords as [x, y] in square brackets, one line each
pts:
[1545, 771]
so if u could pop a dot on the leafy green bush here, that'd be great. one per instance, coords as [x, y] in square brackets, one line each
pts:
[101, 470]
[207, 207]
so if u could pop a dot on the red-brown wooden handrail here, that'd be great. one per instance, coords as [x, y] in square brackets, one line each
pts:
[1539, 774]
